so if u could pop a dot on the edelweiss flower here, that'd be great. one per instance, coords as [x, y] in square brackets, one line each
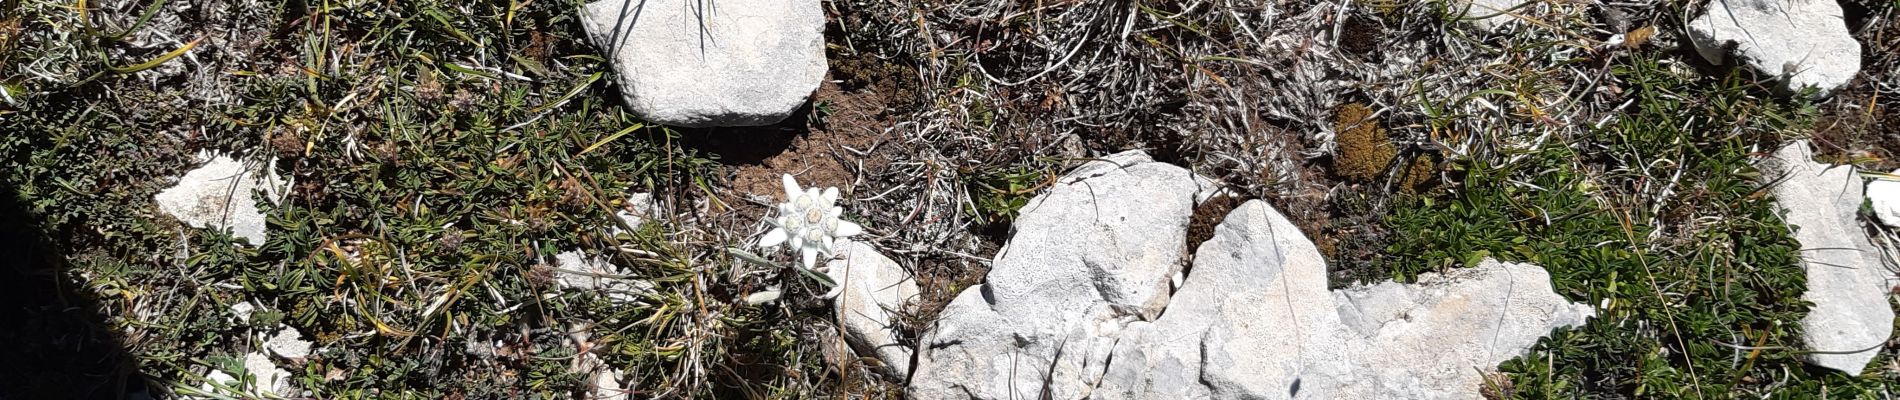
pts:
[808, 221]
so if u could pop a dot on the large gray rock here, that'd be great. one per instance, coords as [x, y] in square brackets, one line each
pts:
[706, 63]
[1254, 320]
[1847, 279]
[218, 195]
[1078, 306]
[1093, 254]
[875, 290]
[1802, 43]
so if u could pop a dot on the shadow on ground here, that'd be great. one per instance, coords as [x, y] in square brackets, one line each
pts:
[54, 344]
[748, 145]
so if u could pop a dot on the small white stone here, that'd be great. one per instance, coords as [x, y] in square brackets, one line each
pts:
[875, 289]
[218, 195]
[288, 343]
[243, 311]
[1492, 14]
[1884, 195]
[640, 208]
[218, 377]
[604, 381]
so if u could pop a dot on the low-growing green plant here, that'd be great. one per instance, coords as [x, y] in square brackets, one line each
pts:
[998, 195]
[442, 153]
[1660, 221]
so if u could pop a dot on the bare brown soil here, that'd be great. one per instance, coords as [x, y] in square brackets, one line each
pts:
[1859, 125]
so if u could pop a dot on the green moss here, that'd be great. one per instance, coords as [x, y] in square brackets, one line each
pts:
[1364, 150]
[1420, 175]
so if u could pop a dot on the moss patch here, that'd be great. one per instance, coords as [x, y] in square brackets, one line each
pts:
[1364, 150]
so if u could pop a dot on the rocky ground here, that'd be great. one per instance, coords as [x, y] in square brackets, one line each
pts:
[994, 199]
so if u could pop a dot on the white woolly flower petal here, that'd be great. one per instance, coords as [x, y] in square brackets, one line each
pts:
[791, 186]
[811, 257]
[774, 238]
[846, 229]
[817, 198]
[808, 223]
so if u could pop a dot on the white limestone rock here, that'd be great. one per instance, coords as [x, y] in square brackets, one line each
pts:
[1078, 306]
[218, 377]
[1884, 196]
[603, 381]
[243, 310]
[1493, 14]
[270, 378]
[574, 270]
[876, 288]
[640, 208]
[1848, 280]
[1254, 320]
[1093, 254]
[218, 195]
[288, 343]
[707, 63]
[1801, 43]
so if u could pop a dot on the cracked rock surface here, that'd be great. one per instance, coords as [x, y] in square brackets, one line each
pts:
[1847, 279]
[707, 64]
[1254, 320]
[1801, 43]
[1078, 306]
[1091, 255]
[217, 195]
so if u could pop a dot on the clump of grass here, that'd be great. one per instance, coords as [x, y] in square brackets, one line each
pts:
[1364, 150]
[1657, 219]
